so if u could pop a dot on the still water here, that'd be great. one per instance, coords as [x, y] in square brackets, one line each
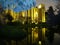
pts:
[26, 36]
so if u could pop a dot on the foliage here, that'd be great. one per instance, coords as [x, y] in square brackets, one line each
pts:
[9, 17]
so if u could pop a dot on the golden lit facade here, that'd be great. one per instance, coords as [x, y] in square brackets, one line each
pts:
[31, 15]
[41, 18]
[34, 15]
[41, 13]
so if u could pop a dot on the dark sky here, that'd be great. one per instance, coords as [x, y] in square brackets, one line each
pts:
[47, 3]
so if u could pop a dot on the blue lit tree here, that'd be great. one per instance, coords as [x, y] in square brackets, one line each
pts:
[17, 5]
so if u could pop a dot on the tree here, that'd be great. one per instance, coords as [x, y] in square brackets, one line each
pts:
[9, 17]
[1, 9]
[58, 5]
[51, 16]
[58, 15]
[50, 23]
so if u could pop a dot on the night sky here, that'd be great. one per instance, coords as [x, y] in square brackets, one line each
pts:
[17, 6]
[26, 4]
[47, 3]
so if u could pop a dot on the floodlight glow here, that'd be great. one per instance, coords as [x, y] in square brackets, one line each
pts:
[39, 6]
[39, 42]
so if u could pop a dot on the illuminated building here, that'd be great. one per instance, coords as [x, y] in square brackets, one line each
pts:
[41, 18]
[34, 15]
[22, 16]
[41, 13]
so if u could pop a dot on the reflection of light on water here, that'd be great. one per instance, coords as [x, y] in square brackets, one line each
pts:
[43, 30]
[39, 42]
[35, 37]
[43, 33]
[34, 34]
[36, 27]
[23, 22]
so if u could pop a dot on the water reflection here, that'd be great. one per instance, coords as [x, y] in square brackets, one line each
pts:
[41, 36]
[26, 36]
[50, 34]
[37, 36]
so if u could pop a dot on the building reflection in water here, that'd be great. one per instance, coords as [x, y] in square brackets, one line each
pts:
[40, 36]
[35, 34]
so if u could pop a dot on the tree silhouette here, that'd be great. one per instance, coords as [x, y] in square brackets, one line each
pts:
[9, 17]
[58, 15]
[51, 16]
[50, 23]
[1, 10]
